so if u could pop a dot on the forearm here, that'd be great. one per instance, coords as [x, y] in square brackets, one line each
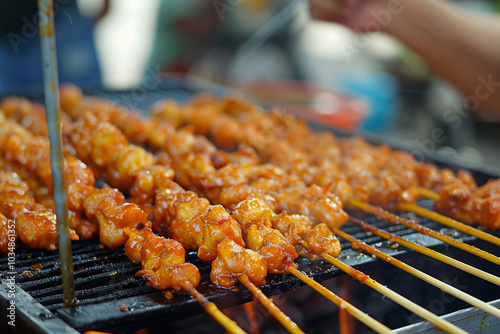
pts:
[461, 48]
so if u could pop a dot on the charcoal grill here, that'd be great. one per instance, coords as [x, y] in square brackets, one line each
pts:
[105, 281]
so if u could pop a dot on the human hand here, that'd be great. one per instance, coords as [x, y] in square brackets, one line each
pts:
[359, 15]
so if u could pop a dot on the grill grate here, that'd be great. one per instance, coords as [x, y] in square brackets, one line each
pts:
[104, 279]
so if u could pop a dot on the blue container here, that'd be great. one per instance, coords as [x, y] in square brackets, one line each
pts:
[380, 90]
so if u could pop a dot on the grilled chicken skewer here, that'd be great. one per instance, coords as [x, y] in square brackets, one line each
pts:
[232, 259]
[162, 260]
[24, 110]
[399, 299]
[199, 154]
[369, 173]
[154, 183]
[98, 152]
[118, 115]
[377, 175]
[195, 223]
[259, 209]
[373, 174]
[158, 269]
[19, 146]
[230, 183]
[156, 179]
[476, 205]
[105, 209]
[225, 173]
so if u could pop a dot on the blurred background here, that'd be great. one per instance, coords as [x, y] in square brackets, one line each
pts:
[271, 50]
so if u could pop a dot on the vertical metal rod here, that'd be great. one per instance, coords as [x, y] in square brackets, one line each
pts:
[47, 38]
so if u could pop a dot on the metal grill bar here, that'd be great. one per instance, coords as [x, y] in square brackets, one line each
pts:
[51, 80]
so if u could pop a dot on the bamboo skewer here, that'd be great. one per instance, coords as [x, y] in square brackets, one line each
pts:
[405, 302]
[450, 222]
[417, 273]
[427, 193]
[341, 303]
[427, 251]
[270, 306]
[228, 324]
[379, 212]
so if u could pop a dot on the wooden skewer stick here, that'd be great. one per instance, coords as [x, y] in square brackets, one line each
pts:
[270, 306]
[228, 324]
[405, 302]
[424, 192]
[427, 251]
[383, 214]
[341, 303]
[356, 243]
[450, 222]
